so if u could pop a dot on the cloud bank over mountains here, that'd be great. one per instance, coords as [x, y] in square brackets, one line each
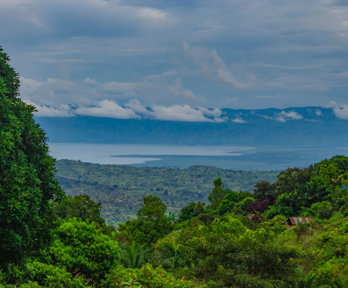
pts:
[66, 98]
[133, 110]
[185, 113]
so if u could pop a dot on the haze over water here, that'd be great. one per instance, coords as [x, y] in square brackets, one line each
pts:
[183, 156]
[127, 154]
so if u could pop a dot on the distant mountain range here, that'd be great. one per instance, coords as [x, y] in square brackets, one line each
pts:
[298, 126]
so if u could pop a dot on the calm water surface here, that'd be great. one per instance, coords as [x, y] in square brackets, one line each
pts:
[228, 157]
[136, 153]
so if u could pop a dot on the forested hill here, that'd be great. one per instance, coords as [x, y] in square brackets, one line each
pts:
[314, 126]
[120, 189]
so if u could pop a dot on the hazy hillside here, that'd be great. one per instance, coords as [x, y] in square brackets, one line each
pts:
[120, 188]
[313, 126]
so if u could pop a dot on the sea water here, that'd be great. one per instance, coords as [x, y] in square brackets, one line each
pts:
[182, 156]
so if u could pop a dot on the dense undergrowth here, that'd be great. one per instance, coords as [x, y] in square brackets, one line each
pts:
[52, 240]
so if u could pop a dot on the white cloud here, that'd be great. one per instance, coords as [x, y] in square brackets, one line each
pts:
[216, 112]
[29, 86]
[284, 116]
[265, 116]
[137, 107]
[152, 14]
[107, 108]
[340, 110]
[213, 66]
[183, 113]
[47, 111]
[133, 110]
[224, 74]
[177, 89]
[123, 89]
[163, 89]
[238, 120]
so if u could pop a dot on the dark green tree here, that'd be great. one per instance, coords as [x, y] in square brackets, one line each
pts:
[264, 190]
[217, 194]
[133, 255]
[291, 179]
[191, 210]
[27, 183]
[80, 206]
[150, 225]
[228, 203]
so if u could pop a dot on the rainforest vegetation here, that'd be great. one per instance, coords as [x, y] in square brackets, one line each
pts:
[120, 189]
[48, 239]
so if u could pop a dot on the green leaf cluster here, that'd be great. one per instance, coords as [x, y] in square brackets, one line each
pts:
[27, 183]
[151, 224]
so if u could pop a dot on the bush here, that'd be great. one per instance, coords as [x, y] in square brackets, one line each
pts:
[322, 210]
[147, 276]
[52, 276]
[83, 249]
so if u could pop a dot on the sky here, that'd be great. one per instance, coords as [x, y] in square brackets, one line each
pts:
[177, 59]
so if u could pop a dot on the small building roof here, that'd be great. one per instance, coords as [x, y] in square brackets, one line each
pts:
[296, 220]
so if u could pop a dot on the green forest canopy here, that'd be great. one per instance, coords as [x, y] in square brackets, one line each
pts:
[120, 189]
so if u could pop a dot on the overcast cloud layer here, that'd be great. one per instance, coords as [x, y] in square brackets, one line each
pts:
[107, 58]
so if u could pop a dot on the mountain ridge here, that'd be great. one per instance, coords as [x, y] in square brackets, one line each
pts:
[295, 126]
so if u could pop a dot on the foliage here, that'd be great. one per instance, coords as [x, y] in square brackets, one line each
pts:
[80, 206]
[191, 210]
[219, 250]
[52, 276]
[322, 210]
[228, 203]
[150, 225]
[323, 262]
[264, 190]
[217, 194]
[27, 183]
[169, 253]
[260, 206]
[120, 188]
[147, 276]
[226, 248]
[39, 274]
[133, 255]
[315, 190]
[83, 249]
[244, 203]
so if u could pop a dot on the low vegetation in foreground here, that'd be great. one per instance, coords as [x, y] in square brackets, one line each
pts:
[238, 239]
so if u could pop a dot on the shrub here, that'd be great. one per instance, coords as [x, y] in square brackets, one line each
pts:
[83, 249]
[147, 276]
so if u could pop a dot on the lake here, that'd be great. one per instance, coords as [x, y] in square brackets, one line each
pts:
[181, 156]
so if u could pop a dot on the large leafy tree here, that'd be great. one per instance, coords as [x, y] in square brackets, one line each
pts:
[84, 249]
[217, 194]
[150, 225]
[27, 183]
[80, 206]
